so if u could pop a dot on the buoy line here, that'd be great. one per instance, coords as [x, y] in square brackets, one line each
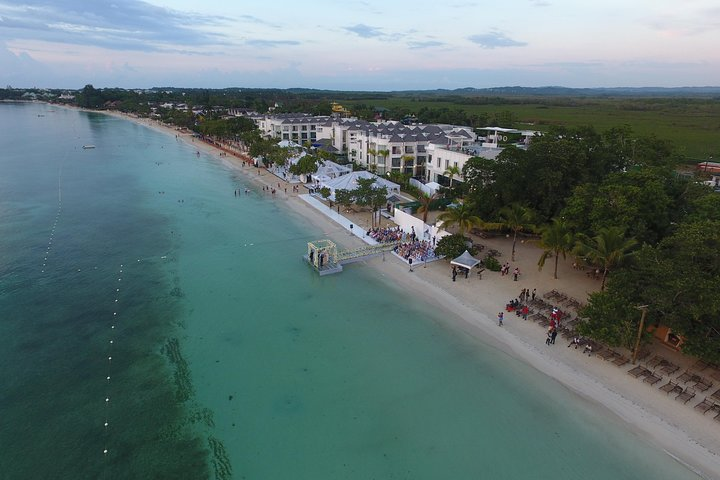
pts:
[110, 350]
[55, 222]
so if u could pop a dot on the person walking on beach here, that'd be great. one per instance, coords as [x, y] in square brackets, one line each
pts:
[516, 272]
[524, 312]
[454, 272]
[553, 336]
[500, 319]
[548, 336]
[533, 294]
[409, 261]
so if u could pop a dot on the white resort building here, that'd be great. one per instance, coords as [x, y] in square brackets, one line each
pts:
[423, 151]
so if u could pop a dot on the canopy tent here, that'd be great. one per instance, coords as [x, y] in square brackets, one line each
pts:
[465, 260]
[349, 182]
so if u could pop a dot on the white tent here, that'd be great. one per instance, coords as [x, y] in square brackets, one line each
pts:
[349, 182]
[328, 170]
[465, 260]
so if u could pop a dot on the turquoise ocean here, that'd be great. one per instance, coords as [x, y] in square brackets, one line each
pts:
[154, 325]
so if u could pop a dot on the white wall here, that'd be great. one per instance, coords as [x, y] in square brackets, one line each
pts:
[406, 221]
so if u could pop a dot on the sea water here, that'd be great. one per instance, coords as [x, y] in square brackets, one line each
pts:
[155, 324]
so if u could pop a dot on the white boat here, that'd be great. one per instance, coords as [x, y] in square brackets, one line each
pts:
[88, 146]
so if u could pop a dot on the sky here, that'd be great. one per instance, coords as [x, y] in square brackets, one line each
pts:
[359, 44]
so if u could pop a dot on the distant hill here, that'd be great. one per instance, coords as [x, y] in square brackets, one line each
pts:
[574, 92]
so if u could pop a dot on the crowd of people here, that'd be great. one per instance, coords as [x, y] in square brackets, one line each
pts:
[385, 234]
[417, 250]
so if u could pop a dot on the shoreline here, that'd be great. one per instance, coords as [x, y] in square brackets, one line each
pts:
[471, 306]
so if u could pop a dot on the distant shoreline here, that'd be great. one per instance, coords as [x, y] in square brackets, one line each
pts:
[677, 429]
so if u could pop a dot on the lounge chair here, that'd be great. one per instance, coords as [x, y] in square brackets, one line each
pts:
[653, 378]
[703, 385]
[639, 371]
[687, 395]
[716, 395]
[655, 361]
[669, 368]
[621, 360]
[704, 406]
[685, 376]
[672, 387]
[607, 354]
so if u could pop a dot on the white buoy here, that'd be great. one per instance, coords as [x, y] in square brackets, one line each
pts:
[107, 399]
[114, 313]
[113, 326]
[106, 424]
[111, 341]
[108, 377]
[109, 358]
[105, 451]
[117, 289]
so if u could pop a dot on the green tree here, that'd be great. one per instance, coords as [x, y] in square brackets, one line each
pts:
[462, 216]
[607, 250]
[325, 193]
[452, 246]
[517, 218]
[305, 165]
[451, 172]
[384, 153]
[425, 202]
[373, 163]
[557, 239]
[368, 194]
[344, 197]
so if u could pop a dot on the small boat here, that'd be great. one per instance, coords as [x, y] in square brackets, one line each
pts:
[88, 146]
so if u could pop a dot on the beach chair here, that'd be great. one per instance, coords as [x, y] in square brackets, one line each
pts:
[639, 371]
[685, 376]
[716, 395]
[669, 368]
[703, 385]
[607, 354]
[704, 406]
[671, 387]
[655, 361]
[687, 395]
[699, 366]
[621, 360]
[653, 378]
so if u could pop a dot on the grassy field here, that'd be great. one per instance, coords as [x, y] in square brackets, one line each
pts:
[692, 125]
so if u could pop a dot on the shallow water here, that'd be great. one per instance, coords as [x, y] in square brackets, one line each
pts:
[230, 358]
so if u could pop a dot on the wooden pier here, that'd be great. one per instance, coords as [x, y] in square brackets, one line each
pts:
[323, 256]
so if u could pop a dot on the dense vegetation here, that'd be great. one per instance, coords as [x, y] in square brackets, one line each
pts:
[614, 201]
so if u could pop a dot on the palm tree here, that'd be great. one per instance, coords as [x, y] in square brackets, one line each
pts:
[425, 201]
[517, 218]
[557, 239]
[608, 249]
[373, 152]
[452, 171]
[384, 153]
[461, 216]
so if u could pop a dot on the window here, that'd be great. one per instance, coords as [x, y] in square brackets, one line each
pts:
[420, 160]
[396, 162]
[447, 164]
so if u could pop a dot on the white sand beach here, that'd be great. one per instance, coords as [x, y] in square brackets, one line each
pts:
[472, 305]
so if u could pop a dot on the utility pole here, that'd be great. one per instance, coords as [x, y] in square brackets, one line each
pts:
[640, 330]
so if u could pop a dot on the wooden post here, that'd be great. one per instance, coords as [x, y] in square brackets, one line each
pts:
[640, 330]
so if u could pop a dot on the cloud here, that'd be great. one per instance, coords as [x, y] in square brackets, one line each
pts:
[425, 44]
[259, 21]
[270, 43]
[567, 64]
[540, 3]
[117, 25]
[495, 39]
[365, 31]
